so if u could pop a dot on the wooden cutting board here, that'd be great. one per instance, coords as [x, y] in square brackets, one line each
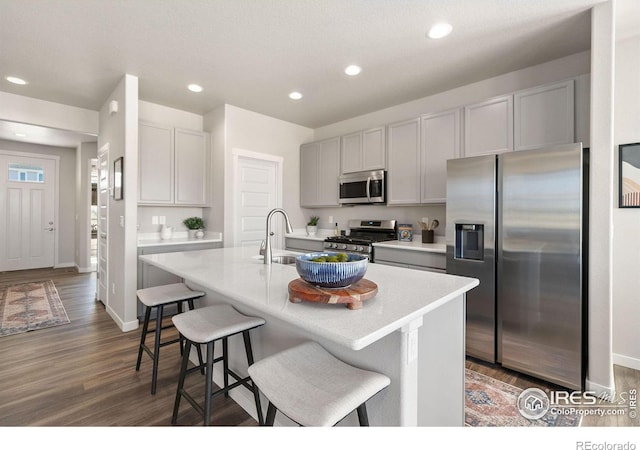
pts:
[352, 296]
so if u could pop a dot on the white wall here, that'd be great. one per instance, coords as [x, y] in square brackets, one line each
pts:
[66, 192]
[18, 108]
[247, 130]
[84, 153]
[120, 131]
[600, 371]
[626, 221]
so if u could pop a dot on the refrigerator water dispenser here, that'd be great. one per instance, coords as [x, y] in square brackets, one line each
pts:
[469, 241]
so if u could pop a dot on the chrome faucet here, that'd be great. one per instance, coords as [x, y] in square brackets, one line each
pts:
[267, 247]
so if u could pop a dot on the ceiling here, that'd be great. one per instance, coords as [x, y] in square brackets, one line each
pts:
[252, 53]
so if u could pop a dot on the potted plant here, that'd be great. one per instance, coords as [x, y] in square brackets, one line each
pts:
[195, 225]
[312, 225]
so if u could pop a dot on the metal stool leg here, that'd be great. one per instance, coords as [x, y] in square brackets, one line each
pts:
[156, 349]
[208, 373]
[362, 415]
[198, 347]
[271, 415]
[256, 393]
[183, 374]
[145, 328]
[225, 365]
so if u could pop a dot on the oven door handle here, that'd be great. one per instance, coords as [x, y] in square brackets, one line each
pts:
[369, 189]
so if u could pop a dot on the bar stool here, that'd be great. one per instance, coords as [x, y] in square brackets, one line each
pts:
[313, 388]
[206, 326]
[158, 297]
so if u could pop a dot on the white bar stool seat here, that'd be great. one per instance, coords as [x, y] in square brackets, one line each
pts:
[205, 326]
[158, 297]
[313, 388]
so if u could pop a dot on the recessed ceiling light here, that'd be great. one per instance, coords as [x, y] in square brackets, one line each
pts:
[439, 30]
[195, 88]
[295, 95]
[16, 80]
[21, 135]
[352, 70]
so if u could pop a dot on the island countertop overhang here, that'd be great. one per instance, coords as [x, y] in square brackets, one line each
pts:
[238, 276]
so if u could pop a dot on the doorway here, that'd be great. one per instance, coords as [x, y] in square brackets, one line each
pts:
[93, 215]
[28, 199]
[102, 286]
[257, 190]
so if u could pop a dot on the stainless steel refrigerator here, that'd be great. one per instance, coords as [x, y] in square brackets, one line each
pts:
[517, 222]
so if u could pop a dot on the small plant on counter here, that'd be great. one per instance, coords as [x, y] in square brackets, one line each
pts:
[194, 223]
[313, 222]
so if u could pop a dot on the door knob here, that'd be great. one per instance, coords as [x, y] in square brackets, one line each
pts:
[49, 229]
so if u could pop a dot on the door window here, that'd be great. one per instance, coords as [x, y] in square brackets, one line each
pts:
[26, 173]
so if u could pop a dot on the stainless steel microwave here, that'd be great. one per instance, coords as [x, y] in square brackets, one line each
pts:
[363, 188]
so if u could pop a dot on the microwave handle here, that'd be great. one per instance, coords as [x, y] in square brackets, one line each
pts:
[369, 189]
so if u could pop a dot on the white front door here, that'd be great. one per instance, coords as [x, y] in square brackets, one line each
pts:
[257, 191]
[103, 224]
[27, 201]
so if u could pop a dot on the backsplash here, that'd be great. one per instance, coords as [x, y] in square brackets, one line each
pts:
[173, 217]
[403, 214]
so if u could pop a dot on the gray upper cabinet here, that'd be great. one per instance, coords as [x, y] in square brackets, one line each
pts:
[544, 116]
[364, 150]
[403, 163]
[155, 164]
[488, 126]
[319, 173]
[173, 166]
[191, 164]
[440, 142]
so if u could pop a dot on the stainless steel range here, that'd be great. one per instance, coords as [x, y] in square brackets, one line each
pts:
[364, 233]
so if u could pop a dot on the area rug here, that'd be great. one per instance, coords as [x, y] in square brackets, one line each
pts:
[492, 403]
[30, 306]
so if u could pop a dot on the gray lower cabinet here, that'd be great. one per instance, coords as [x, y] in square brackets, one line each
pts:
[149, 276]
[303, 245]
[411, 259]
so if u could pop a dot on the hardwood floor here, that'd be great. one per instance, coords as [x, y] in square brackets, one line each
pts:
[83, 373]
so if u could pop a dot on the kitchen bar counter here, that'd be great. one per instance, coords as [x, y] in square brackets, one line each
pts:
[415, 245]
[413, 330]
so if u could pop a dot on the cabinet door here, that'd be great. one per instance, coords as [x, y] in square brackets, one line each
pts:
[544, 116]
[374, 154]
[488, 127]
[403, 176]
[309, 174]
[440, 142]
[351, 153]
[192, 162]
[155, 164]
[328, 172]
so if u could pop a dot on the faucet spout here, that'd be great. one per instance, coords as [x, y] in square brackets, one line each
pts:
[268, 254]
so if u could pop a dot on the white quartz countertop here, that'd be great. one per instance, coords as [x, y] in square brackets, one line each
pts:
[178, 238]
[415, 245]
[238, 276]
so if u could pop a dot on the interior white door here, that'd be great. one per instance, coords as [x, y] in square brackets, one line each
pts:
[27, 200]
[102, 293]
[256, 194]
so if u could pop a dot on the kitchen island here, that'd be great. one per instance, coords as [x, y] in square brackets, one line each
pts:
[412, 330]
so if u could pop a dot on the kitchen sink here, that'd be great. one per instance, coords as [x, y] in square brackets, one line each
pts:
[279, 259]
[284, 259]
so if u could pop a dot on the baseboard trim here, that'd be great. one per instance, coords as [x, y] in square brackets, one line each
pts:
[605, 392]
[83, 269]
[64, 265]
[124, 326]
[626, 361]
